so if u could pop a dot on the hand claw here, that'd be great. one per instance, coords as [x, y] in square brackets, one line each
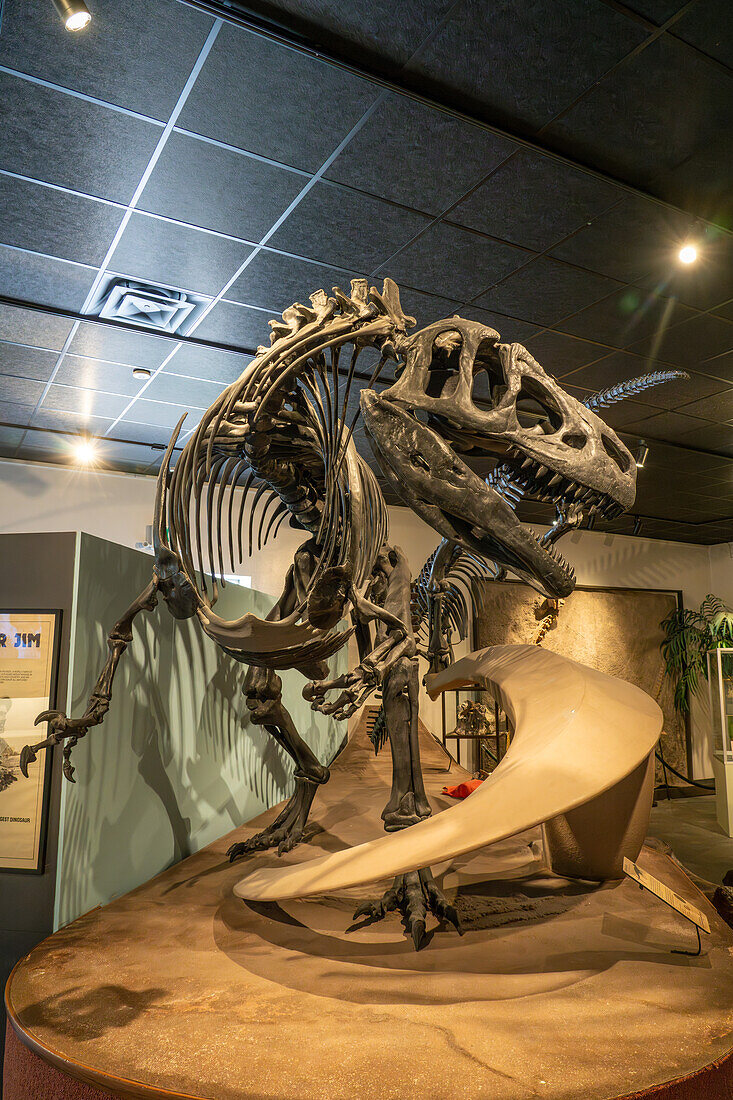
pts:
[48, 716]
[27, 756]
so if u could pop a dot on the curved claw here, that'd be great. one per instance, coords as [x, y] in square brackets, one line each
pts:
[68, 770]
[27, 756]
[48, 716]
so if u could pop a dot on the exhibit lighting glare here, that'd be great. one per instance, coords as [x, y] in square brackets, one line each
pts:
[688, 254]
[85, 452]
[642, 452]
[75, 14]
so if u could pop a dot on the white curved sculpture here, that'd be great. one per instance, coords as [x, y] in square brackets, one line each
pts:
[581, 760]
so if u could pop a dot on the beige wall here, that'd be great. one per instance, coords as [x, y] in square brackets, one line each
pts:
[118, 507]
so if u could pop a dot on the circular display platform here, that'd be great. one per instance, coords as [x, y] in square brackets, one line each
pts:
[556, 989]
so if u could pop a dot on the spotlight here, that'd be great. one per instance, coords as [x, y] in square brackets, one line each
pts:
[688, 254]
[642, 452]
[75, 15]
[141, 372]
[85, 452]
[637, 525]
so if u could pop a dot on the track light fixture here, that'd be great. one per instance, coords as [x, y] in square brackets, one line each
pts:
[642, 452]
[637, 525]
[75, 15]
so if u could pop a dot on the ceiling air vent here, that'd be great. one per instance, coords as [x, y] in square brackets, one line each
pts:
[147, 306]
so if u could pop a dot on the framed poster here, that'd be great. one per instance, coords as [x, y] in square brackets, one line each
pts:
[29, 642]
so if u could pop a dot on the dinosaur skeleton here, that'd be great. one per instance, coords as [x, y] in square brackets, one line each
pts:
[278, 444]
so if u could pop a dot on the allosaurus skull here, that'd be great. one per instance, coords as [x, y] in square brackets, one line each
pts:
[463, 391]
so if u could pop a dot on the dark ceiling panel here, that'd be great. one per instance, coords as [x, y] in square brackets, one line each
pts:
[234, 194]
[628, 241]
[426, 308]
[14, 412]
[706, 283]
[534, 201]
[195, 392]
[273, 281]
[709, 27]
[417, 156]
[161, 252]
[560, 355]
[716, 438]
[690, 343]
[525, 64]
[337, 226]
[717, 407]
[134, 54]
[54, 222]
[636, 99]
[43, 279]
[719, 367]
[253, 94]
[545, 291]
[625, 316]
[669, 426]
[509, 328]
[453, 262]
[621, 366]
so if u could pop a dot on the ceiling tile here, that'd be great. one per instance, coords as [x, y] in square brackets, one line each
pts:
[271, 100]
[55, 223]
[183, 391]
[619, 416]
[720, 367]
[621, 367]
[72, 420]
[670, 426]
[85, 403]
[706, 283]
[453, 262]
[26, 362]
[160, 252]
[274, 282]
[217, 366]
[159, 43]
[426, 308]
[71, 142]
[143, 433]
[95, 374]
[509, 328]
[625, 317]
[115, 345]
[396, 153]
[24, 326]
[228, 323]
[159, 414]
[9, 439]
[711, 437]
[15, 413]
[43, 279]
[690, 343]
[21, 391]
[545, 291]
[234, 194]
[718, 407]
[709, 27]
[560, 355]
[42, 444]
[130, 456]
[534, 200]
[658, 11]
[725, 311]
[628, 241]
[624, 124]
[519, 65]
[347, 229]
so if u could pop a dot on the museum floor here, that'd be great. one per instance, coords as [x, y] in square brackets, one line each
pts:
[689, 826]
[556, 988]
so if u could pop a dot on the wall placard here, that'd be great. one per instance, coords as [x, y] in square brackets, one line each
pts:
[28, 661]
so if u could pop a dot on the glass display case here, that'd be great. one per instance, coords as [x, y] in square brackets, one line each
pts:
[720, 679]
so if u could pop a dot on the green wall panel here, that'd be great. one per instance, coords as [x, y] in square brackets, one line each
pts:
[176, 763]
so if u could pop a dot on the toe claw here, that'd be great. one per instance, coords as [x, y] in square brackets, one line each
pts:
[417, 931]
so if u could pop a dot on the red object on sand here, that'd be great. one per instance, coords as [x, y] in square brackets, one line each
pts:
[463, 790]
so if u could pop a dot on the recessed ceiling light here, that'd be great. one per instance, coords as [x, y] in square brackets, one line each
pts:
[141, 372]
[85, 452]
[74, 13]
[688, 254]
[642, 452]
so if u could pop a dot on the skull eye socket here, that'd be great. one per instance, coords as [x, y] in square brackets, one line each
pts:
[614, 451]
[536, 406]
[575, 440]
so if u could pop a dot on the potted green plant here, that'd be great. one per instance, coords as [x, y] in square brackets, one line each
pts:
[689, 634]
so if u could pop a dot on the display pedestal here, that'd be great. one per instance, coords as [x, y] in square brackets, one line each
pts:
[557, 988]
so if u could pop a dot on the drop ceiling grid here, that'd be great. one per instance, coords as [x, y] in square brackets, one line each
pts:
[603, 350]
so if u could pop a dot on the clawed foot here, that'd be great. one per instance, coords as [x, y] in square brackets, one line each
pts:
[287, 829]
[414, 895]
[61, 728]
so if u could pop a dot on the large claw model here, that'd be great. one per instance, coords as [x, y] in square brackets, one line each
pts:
[280, 435]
